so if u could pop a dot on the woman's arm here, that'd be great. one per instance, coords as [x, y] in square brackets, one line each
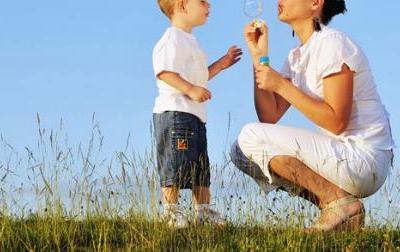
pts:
[270, 107]
[332, 113]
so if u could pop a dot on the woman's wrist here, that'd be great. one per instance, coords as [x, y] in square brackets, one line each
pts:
[264, 60]
[283, 85]
[256, 58]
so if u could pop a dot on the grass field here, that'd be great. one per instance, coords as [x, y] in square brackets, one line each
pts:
[56, 196]
[52, 233]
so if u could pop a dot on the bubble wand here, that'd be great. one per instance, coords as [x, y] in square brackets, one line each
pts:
[253, 9]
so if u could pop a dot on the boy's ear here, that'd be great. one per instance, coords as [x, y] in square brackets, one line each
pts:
[181, 5]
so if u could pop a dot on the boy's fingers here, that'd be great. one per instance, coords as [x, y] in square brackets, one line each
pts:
[238, 53]
[206, 95]
[234, 49]
[236, 60]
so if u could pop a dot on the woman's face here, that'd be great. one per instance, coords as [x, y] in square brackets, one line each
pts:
[290, 11]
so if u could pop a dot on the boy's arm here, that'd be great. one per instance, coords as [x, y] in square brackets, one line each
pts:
[229, 59]
[194, 92]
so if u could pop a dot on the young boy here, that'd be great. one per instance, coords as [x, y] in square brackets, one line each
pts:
[179, 115]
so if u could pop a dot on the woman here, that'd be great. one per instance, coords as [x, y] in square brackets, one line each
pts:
[328, 79]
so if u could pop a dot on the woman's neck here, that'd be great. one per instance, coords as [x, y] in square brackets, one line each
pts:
[303, 29]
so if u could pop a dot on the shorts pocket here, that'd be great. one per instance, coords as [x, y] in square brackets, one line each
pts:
[181, 139]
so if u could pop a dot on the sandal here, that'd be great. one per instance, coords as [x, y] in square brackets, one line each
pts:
[348, 222]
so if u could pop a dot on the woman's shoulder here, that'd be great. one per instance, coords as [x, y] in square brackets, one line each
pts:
[322, 37]
[329, 33]
[333, 39]
[334, 47]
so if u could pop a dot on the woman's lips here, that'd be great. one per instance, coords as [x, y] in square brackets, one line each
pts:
[280, 9]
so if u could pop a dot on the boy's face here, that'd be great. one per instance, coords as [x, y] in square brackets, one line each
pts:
[197, 11]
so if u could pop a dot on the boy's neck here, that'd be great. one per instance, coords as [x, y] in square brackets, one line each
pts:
[182, 25]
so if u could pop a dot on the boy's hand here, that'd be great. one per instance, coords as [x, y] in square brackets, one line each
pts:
[230, 58]
[198, 94]
[195, 93]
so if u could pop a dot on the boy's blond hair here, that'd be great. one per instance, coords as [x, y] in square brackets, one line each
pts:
[167, 7]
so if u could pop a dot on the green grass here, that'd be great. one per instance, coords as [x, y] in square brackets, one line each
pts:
[82, 199]
[137, 232]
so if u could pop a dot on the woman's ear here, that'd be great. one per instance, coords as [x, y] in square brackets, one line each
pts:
[318, 5]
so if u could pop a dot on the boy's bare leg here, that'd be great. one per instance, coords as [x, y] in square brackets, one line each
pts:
[201, 198]
[172, 211]
[201, 195]
[170, 194]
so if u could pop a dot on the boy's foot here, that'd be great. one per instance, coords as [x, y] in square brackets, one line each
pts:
[210, 216]
[176, 218]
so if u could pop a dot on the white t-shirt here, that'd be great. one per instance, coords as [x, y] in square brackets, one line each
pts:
[324, 54]
[178, 51]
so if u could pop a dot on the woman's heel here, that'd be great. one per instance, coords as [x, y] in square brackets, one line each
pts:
[349, 222]
[354, 223]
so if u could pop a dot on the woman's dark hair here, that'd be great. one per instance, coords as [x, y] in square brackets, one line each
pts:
[331, 8]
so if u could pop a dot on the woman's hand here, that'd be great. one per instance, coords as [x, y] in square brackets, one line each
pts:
[257, 40]
[268, 79]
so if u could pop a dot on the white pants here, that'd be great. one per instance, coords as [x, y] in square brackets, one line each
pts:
[358, 171]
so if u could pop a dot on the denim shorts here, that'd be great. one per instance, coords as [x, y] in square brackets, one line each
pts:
[181, 145]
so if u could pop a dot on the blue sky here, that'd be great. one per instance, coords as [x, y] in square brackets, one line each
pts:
[70, 59]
